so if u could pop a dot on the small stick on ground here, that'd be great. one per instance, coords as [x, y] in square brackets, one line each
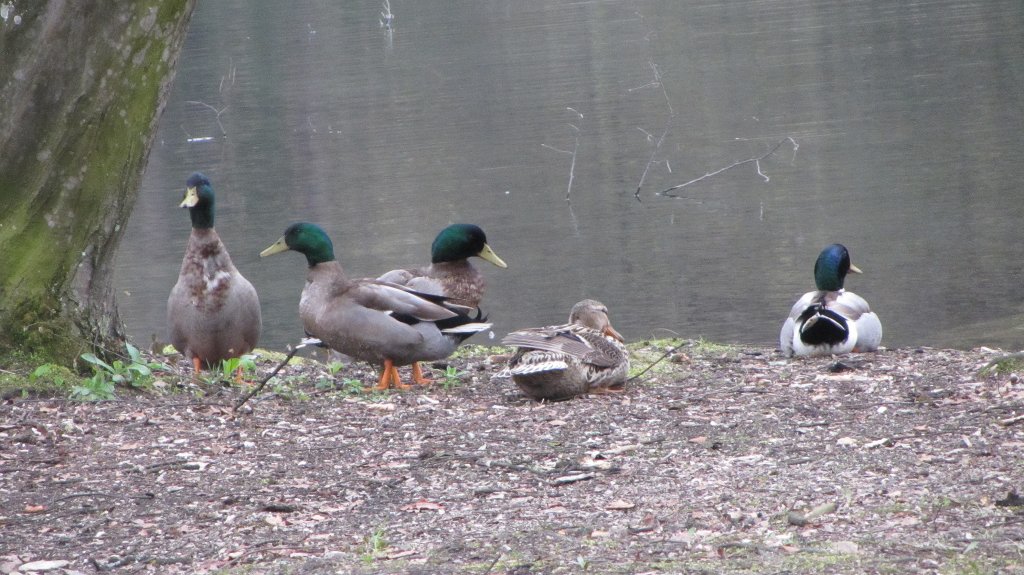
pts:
[1011, 420]
[258, 388]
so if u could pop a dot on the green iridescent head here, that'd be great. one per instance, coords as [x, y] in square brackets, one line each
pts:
[461, 241]
[199, 201]
[831, 268]
[308, 239]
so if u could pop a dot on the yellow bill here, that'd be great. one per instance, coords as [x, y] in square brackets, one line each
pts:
[275, 248]
[191, 198]
[488, 254]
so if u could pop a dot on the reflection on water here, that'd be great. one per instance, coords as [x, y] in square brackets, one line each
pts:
[907, 118]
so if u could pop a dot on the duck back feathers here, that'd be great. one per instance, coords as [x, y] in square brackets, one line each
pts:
[563, 361]
[830, 320]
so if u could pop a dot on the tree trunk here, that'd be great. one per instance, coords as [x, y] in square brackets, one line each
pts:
[82, 83]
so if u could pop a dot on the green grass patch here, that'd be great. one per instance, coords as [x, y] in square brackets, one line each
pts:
[1005, 365]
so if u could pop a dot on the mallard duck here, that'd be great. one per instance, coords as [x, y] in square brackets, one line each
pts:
[830, 320]
[213, 312]
[450, 274]
[585, 355]
[371, 320]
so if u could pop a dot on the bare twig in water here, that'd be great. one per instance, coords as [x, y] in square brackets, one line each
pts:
[654, 153]
[229, 78]
[575, 148]
[572, 165]
[659, 83]
[291, 354]
[658, 80]
[223, 132]
[756, 161]
[387, 18]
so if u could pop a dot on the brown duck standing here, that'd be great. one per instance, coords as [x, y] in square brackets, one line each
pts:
[450, 273]
[368, 319]
[213, 312]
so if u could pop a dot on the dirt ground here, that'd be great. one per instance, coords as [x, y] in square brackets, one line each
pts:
[718, 460]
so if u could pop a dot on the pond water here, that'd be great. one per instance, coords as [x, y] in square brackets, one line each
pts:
[893, 128]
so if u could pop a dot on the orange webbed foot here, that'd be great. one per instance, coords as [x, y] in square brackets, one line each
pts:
[389, 378]
[417, 375]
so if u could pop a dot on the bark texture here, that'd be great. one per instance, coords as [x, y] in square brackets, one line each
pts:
[82, 84]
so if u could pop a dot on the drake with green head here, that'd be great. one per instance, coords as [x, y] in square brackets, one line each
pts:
[450, 273]
[368, 319]
[213, 312]
[557, 362]
[830, 320]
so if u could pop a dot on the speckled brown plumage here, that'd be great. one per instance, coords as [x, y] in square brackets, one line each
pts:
[451, 274]
[562, 361]
[459, 281]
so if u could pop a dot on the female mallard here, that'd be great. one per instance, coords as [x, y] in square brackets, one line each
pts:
[450, 274]
[563, 361]
[372, 320]
[213, 312]
[830, 320]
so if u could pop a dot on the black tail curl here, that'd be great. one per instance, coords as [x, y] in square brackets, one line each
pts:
[459, 320]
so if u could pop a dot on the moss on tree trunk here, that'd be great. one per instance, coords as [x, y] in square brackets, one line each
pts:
[82, 84]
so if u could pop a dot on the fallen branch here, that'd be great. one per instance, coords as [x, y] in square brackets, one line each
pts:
[567, 479]
[1011, 420]
[258, 388]
[801, 519]
[756, 161]
[493, 563]
[657, 361]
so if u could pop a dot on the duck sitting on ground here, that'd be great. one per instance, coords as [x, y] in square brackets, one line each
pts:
[371, 320]
[557, 362]
[213, 312]
[450, 274]
[830, 320]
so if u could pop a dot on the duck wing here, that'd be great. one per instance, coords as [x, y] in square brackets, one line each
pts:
[570, 340]
[398, 300]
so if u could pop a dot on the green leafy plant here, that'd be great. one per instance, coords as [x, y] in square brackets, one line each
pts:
[50, 372]
[49, 378]
[352, 386]
[452, 377]
[96, 388]
[134, 371]
[327, 382]
[229, 367]
[324, 384]
[375, 546]
[348, 386]
[285, 388]
[334, 367]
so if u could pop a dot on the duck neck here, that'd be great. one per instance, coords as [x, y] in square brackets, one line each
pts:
[331, 269]
[202, 216]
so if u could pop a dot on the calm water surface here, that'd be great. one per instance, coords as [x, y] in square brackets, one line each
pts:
[907, 118]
